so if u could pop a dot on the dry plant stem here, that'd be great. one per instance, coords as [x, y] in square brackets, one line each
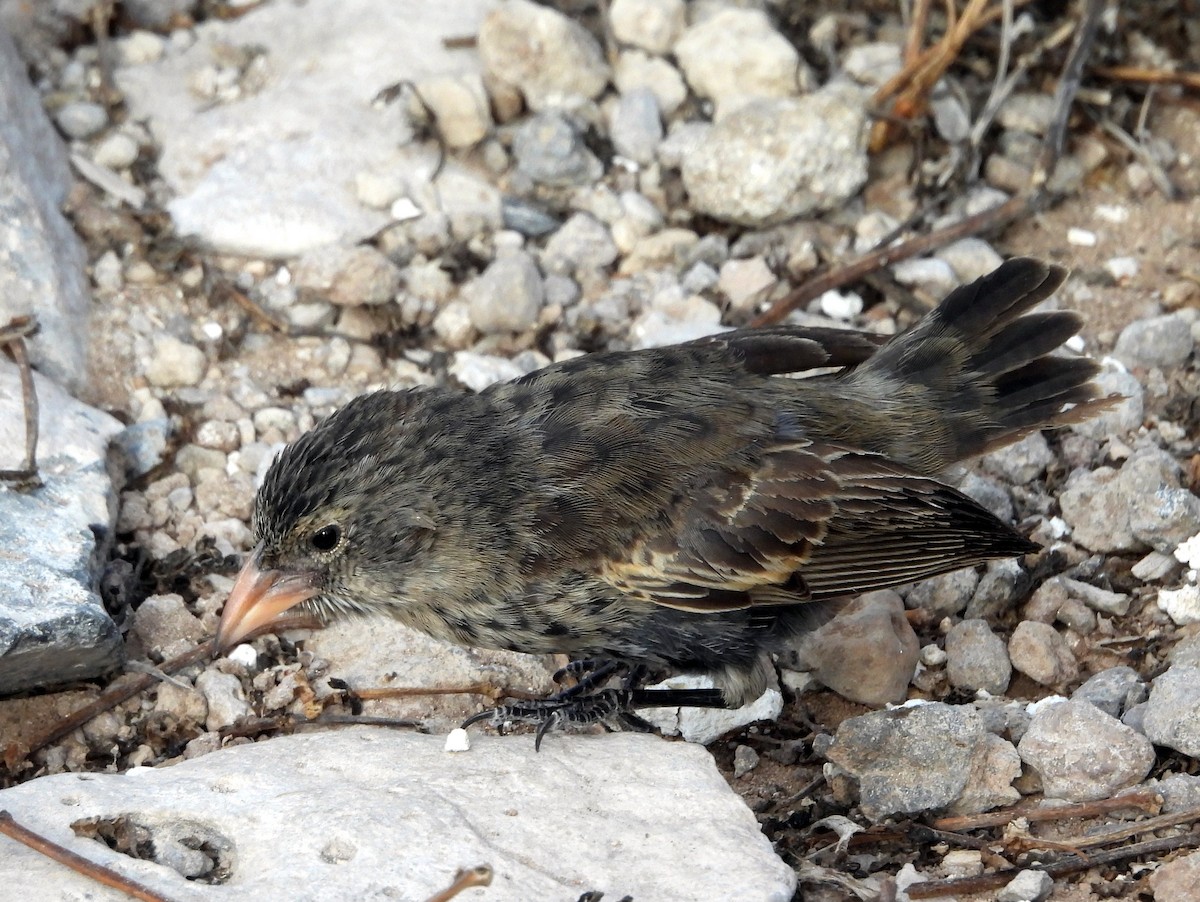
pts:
[885, 256]
[1068, 87]
[1144, 799]
[89, 869]
[912, 84]
[1061, 868]
[480, 875]
[1134, 829]
[13, 336]
[1138, 75]
[916, 31]
[493, 692]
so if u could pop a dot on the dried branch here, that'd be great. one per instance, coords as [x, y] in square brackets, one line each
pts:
[992, 218]
[12, 337]
[480, 875]
[63, 855]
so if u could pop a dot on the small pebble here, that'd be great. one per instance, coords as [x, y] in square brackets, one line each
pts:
[745, 759]
[458, 740]
[82, 119]
[1081, 237]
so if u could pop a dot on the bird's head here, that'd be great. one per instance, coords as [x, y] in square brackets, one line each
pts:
[337, 521]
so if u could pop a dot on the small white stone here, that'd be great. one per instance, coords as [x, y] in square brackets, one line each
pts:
[1122, 269]
[839, 305]
[175, 363]
[1075, 343]
[1188, 552]
[458, 740]
[403, 209]
[212, 331]
[1181, 605]
[116, 151]
[1081, 237]
[244, 654]
[933, 656]
[1114, 213]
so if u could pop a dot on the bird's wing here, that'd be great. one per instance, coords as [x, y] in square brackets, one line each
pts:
[775, 350]
[809, 522]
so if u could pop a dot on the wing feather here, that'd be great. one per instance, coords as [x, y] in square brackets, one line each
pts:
[808, 522]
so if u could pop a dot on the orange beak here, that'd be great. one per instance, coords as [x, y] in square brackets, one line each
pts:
[258, 597]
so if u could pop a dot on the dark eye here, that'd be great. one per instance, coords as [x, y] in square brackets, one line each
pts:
[326, 538]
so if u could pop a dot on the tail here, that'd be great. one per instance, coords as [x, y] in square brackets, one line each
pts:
[982, 367]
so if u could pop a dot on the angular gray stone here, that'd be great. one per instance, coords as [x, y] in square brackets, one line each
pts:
[1173, 711]
[42, 262]
[1083, 754]
[53, 626]
[550, 150]
[507, 296]
[1113, 691]
[1161, 341]
[976, 658]
[920, 758]
[397, 816]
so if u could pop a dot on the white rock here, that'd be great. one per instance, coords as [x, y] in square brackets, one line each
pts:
[458, 740]
[774, 160]
[478, 371]
[551, 59]
[175, 363]
[602, 812]
[1081, 237]
[507, 296]
[243, 654]
[1122, 269]
[674, 321]
[453, 325]
[840, 305]
[1114, 213]
[636, 69]
[746, 282]
[704, 725]
[1188, 552]
[116, 151]
[226, 700]
[460, 105]
[652, 25]
[1181, 605]
[735, 56]
[274, 173]
[872, 64]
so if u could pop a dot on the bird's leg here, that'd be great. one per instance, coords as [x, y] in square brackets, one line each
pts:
[603, 707]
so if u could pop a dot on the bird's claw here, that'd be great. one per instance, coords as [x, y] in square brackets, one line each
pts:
[548, 714]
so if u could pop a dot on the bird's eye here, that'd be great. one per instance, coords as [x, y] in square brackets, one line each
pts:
[326, 538]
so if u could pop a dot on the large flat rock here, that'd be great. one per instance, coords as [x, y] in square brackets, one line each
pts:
[272, 171]
[366, 813]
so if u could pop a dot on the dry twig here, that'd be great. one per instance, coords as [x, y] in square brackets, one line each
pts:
[12, 337]
[480, 875]
[63, 855]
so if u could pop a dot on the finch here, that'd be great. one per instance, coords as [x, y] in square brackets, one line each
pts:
[677, 509]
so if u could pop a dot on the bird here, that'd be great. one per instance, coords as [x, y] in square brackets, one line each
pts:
[693, 508]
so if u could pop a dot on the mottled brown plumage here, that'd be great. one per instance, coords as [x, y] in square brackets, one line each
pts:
[684, 508]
